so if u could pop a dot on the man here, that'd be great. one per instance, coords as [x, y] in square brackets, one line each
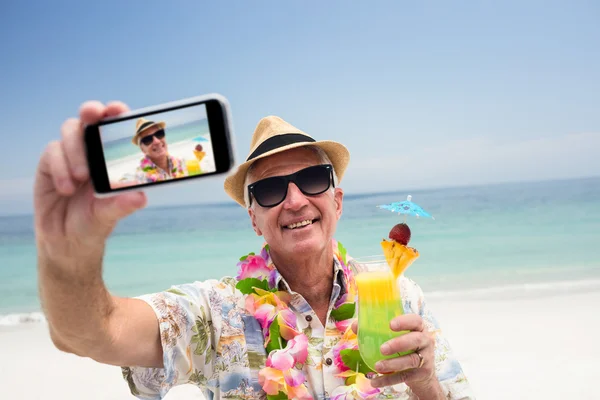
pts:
[210, 333]
[157, 164]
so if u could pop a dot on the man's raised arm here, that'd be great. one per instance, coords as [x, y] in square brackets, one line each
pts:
[72, 227]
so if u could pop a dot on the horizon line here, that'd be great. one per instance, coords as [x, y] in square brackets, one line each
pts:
[356, 195]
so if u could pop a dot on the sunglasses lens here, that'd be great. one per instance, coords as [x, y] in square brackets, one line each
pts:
[147, 140]
[314, 180]
[270, 191]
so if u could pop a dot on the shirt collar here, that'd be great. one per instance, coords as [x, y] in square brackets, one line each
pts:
[338, 279]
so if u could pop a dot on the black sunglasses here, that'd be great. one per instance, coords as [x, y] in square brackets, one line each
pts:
[147, 140]
[311, 181]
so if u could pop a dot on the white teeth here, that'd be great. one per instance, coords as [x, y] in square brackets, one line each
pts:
[299, 224]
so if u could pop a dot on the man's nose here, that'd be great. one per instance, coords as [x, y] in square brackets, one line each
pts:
[295, 199]
[155, 139]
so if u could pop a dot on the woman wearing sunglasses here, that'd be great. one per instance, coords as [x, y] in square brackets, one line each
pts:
[277, 329]
[157, 164]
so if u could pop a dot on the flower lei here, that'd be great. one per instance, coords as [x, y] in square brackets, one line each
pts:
[151, 172]
[286, 345]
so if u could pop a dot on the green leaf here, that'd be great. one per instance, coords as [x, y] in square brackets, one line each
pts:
[342, 252]
[278, 396]
[243, 258]
[275, 335]
[246, 286]
[267, 247]
[201, 337]
[343, 312]
[351, 358]
[176, 291]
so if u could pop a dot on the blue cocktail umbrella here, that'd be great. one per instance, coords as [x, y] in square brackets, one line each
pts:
[406, 207]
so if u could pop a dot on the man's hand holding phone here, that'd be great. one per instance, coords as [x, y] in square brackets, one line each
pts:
[70, 222]
[78, 204]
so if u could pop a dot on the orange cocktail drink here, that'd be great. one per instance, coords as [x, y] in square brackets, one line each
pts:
[379, 301]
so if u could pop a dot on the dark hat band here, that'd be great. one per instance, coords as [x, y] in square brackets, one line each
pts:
[144, 126]
[277, 141]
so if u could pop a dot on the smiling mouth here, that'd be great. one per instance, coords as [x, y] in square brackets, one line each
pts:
[301, 224]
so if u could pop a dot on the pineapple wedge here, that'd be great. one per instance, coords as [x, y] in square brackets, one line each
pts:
[398, 256]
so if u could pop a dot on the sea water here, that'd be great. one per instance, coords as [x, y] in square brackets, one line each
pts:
[519, 238]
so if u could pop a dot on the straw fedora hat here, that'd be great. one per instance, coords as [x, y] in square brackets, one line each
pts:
[274, 135]
[143, 124]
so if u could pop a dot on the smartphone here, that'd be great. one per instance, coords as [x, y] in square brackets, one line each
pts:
[165, 144]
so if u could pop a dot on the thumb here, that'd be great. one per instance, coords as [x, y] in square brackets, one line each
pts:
[354, 326]
[109, 211]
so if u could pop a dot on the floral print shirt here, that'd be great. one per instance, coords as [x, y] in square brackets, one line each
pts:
[149, 172]
[210, 340]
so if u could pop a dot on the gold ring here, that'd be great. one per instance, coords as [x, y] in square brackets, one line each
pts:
[422, 359]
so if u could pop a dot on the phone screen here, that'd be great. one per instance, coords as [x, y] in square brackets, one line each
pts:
[159, 147]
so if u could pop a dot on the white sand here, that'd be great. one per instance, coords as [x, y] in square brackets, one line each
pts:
[184, 149]
[536, 348]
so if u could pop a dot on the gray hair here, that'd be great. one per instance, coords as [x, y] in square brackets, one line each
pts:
[319, 152]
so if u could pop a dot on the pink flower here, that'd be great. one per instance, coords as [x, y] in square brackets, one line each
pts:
[343, 325]
[253, 267]
[265, 314]
[279, 375]
[298, 348]
[360, 389]
[287, 324]
[295, 351]
[337, 357]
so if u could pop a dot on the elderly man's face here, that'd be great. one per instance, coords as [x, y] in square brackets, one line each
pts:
[273, 223]
[158, 147]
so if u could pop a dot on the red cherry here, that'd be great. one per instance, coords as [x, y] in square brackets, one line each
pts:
[400, 233]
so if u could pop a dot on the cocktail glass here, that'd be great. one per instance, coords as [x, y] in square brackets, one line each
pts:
[193, 167]
[379, 301]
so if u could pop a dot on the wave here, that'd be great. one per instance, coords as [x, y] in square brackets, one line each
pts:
[22, 319]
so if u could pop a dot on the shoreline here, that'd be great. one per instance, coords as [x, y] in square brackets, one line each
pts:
[517, 291]
[508, 349]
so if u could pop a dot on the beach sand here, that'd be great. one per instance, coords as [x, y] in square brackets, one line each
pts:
[183, 149]
[545, 347]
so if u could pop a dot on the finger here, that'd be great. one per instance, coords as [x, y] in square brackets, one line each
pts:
[91, 112]
[407, 342]
[72, 146]
[407, 322]
[396, 378]
[107, 212]
[57, 164]
[114, 108]
[409, 361]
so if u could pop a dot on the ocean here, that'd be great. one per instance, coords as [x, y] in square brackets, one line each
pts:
[496, 240]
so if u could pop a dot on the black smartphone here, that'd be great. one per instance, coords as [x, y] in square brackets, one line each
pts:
[164, 144]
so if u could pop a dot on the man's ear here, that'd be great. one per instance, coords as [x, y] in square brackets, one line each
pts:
[338, 197]
[253, 221]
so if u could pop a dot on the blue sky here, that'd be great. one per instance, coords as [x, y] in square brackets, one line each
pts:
[424, 94]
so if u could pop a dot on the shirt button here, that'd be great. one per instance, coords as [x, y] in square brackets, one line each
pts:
[329, 361]
[308, 318]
